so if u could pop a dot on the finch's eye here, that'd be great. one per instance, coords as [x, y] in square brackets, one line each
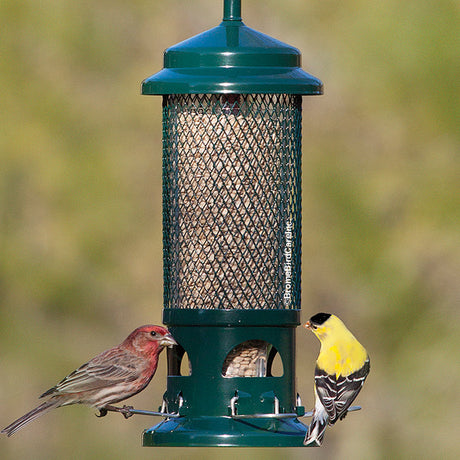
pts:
[313, 326]
[153, 333]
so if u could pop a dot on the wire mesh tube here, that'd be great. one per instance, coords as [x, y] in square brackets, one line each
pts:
[231, 201]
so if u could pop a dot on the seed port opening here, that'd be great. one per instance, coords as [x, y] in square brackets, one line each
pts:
[185, 365]
[275, 364]
[178, 362]
[253, 358]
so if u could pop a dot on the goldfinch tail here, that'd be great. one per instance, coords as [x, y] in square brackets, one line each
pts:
[317, 427]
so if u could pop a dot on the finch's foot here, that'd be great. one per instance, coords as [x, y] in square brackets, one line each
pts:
[125, 410]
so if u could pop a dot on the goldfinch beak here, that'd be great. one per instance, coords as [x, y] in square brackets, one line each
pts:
[168, 341]
[307, 325]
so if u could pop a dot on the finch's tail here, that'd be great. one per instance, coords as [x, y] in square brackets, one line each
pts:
[32, 415]
[318, 424]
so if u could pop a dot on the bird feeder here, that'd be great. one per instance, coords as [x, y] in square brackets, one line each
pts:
[232, 101]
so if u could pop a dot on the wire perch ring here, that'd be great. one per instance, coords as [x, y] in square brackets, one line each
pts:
[128, 411]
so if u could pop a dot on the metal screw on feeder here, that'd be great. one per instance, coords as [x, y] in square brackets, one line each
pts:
[232, 235]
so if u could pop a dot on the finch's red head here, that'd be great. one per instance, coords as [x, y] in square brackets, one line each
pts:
[149, 338]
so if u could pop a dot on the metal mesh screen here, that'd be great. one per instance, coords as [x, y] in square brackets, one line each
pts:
[231, 201]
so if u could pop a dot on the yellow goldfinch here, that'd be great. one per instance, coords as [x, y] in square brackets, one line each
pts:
[341, 368]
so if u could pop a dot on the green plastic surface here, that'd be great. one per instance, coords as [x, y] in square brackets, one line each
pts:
[206, 391]
[232, 58]
[199, 317]
[226, 432]
[203, 398]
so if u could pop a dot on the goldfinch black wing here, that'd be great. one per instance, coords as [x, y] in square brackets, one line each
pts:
[337, 394]
[326, 389]
[348, 388]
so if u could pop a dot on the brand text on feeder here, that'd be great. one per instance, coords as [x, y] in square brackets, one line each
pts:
[288, 263]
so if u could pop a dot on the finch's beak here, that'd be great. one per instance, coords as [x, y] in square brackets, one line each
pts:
[307, 325]
[168, 341]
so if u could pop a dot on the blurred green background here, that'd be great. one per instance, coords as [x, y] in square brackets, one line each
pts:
[80, 211]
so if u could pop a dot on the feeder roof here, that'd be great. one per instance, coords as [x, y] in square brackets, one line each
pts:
[232, 58]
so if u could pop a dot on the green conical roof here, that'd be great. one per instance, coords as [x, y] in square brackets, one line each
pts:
[231, 58]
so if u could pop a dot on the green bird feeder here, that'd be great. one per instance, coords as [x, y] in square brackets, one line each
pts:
[232, 101]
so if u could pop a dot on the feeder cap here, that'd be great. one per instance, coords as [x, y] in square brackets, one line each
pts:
[232, 58]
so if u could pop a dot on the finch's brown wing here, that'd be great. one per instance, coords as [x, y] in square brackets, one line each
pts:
[113, 366]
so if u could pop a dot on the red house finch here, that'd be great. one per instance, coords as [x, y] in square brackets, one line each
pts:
[110, 377]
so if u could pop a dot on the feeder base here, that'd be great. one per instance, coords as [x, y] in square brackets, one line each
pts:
[225, 432]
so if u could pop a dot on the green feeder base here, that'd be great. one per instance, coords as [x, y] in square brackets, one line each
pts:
[226, 432]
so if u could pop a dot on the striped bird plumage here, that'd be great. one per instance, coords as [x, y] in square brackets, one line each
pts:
[337, 393]
[107, 378]
[110, 377]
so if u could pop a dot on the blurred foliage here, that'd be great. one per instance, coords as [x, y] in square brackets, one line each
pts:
[80, 210]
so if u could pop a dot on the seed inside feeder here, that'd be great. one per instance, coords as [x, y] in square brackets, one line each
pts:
[248, 359]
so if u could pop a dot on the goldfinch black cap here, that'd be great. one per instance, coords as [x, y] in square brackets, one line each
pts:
[320, 318]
